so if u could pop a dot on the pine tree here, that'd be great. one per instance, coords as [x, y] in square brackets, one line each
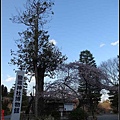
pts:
[90, 93]
[87, 58]
[5, 101]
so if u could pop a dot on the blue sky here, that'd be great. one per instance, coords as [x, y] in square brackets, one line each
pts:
[77, 25]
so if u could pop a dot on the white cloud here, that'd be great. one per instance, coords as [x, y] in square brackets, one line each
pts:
[53, 41]
[115, 43]
[9, 79]
[101, 45]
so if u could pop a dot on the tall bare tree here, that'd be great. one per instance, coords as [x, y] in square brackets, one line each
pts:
[35, 53]
[111, 69]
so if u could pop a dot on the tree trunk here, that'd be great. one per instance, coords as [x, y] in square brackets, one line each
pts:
[35, 63]
[92, 108]
[41, 72]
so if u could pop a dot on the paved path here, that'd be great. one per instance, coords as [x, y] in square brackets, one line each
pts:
[108, 117]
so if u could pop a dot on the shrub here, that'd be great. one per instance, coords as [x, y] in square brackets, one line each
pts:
[55, 114]
[78, 114]
[115, 111]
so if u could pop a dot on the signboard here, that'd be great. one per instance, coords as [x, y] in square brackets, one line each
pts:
[16, 108]
[68, 106]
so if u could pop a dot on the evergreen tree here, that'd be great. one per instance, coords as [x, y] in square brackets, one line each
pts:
[11, 93]
[90, 92]
[4, 91]
[114, 100]
[87, 58]
[5, 102]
